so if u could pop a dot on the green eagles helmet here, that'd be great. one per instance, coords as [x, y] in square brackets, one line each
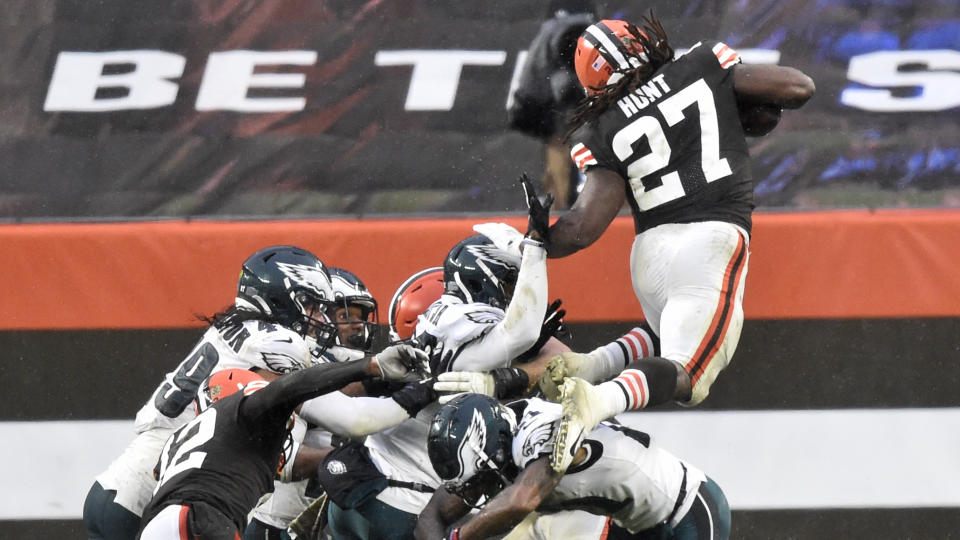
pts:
[292, 286]
[475, 270]
[469, 446]
[350, 292]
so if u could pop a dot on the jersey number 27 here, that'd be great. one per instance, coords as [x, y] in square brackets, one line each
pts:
[670, 188]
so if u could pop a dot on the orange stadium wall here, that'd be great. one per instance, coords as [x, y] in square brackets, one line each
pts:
[838, 264]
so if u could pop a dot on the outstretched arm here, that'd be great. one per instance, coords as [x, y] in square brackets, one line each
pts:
[352, 416]
[278, 399]
[520, 327]
[783, 86]
[511, 505]
[275, 402]
[601, 199]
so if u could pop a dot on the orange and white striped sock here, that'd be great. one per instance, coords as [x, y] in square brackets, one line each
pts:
[627, 392]
[613, 357]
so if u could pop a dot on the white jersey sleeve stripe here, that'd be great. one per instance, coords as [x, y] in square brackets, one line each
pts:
[725, 55]
[582, 156]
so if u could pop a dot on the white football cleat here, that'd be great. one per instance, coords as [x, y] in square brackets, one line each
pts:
[583, 410]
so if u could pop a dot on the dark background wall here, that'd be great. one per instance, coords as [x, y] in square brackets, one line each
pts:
[779, 364]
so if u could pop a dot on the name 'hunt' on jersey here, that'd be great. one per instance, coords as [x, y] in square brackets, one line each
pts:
[678, 142]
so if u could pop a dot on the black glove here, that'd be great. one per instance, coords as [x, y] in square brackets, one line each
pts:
[415, 396]
[552, 327]
[538, 223]
[510, 383]
[380, 387]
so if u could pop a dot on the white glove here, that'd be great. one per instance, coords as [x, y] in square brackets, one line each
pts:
[460, 382]
[503, 236]
[404, 363]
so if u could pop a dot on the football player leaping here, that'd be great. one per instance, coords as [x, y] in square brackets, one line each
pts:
[663, 133]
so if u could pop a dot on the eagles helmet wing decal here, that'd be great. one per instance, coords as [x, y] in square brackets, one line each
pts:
[493, 255]
[306, 276]
[475, 438]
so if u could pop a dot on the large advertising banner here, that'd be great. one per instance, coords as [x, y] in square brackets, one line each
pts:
[130, 109]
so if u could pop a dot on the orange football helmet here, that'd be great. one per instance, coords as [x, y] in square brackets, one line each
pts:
[605, 51]
[412, 298]
[230, 381]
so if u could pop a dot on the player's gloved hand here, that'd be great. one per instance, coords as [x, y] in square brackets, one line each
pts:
[459, 382]
[552, 327]
[403, 362]
[568, 364]
[415, 396]
[501, 383]
[538, 222]
[503, 236]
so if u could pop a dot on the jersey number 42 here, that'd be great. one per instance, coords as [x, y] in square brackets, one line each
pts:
[181, 452]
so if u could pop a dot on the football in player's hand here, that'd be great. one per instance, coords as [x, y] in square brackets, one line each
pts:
[758, 119]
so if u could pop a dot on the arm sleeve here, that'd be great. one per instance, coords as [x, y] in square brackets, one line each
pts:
[276, 401]
[588, 150]
[352, 417]
[520, 328]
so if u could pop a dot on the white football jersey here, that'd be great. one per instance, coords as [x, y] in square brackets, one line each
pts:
[459, 336]
[471, 337]
[253, 344]
[624, 475]
[401, 453]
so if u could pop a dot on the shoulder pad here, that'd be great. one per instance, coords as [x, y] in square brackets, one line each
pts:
[275, 348]
[456, 322]
[536, 431]
[714, 53]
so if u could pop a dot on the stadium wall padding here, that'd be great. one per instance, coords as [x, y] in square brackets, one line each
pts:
[846, 310]
[154, 275]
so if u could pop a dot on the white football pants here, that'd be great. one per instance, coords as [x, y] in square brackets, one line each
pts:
[689, 279]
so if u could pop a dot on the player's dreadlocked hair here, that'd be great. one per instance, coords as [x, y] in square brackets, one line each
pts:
[235, 316]
[653, 38]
